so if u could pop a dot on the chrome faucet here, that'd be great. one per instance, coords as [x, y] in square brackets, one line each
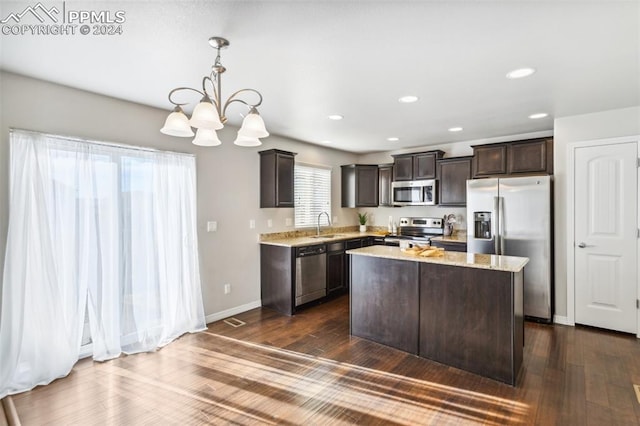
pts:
[328, 221]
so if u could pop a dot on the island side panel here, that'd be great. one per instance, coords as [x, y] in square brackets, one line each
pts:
[385, 301]
[467, 320]
[277, 264]
[518, 312]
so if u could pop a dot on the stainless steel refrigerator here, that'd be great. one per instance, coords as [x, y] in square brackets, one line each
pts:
[513, 217]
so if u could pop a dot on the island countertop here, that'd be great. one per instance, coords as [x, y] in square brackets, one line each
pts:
[469, 260]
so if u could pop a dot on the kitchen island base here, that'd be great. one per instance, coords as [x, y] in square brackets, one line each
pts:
[464, 317]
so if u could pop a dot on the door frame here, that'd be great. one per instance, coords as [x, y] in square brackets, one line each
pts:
[571, 289]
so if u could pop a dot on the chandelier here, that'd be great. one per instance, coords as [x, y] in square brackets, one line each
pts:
[210, 114]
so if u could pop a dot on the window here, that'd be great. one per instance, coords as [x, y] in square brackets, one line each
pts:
[98, 231]
[312, 193]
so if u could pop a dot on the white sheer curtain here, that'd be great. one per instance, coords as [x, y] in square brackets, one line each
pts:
[95, 228]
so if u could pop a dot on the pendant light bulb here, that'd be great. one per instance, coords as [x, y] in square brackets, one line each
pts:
[205, 116]
[253, 125]
[177, 124]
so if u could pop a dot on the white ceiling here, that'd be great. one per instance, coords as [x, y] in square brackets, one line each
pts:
[311, 59]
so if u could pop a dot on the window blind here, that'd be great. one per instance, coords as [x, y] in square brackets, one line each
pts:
[312, 194]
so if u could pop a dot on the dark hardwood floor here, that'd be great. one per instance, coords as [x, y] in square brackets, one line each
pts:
[307, 370]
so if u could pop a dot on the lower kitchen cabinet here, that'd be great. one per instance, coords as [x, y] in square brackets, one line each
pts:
[354, 244]
[277, 278]
[279, 273]
[336, 266]
[358, 243]
[450, 246]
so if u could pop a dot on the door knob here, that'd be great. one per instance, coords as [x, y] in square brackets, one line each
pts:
[582, 245]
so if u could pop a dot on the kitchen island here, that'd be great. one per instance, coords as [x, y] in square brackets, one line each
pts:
[463, 309]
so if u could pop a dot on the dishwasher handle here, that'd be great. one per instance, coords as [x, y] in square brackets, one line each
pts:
[311, 250]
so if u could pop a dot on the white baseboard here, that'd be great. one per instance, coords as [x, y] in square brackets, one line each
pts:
[233, 311]
[557, 319]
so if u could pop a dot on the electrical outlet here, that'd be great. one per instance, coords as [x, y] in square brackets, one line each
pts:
[212, 226]
[335, 219]
[252, 224]
[288, 221]
[269, 223]
[227, 288]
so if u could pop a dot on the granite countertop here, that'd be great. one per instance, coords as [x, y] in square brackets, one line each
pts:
[306, 238]
[469, 260]
[457, 237]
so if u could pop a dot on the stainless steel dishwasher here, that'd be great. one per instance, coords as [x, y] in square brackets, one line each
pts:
[311, 273]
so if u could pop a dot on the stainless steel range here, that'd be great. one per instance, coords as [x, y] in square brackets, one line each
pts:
[416, 230]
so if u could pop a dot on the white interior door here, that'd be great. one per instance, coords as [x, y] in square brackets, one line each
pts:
[606, 236]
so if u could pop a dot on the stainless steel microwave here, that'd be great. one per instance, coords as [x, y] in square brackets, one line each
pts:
[414, 193]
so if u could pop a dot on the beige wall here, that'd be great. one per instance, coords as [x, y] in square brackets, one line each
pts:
[567, 131]
[228, 176]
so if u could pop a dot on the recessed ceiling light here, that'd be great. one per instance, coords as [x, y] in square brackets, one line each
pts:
[335, 117]
[520, 72]
[393, 139]
[326, 142]
[455, 129]
[538, 115]
[408, 99]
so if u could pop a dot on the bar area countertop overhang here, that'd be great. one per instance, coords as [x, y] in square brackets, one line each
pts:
[469, 260]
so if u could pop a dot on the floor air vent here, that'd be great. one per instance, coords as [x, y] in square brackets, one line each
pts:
[234, 322]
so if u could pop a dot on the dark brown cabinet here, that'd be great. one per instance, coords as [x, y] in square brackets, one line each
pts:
[385, 177]
[489, 160]
[277, 278]
[336, 266]
[527, 157]
[402, 167]
[533, 156]
[459, 304]
[466, 318]
[449, 246]
[360, 185]
[452, 180]
[418, 166]
[276, 178]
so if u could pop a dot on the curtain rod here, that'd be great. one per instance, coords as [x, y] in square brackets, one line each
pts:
[102, 143]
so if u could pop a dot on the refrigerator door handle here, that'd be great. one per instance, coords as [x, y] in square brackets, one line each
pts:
[501, 223]
[496, 225]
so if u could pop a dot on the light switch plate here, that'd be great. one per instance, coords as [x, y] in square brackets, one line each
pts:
[269, 223]
[252, 224]
[212, 226]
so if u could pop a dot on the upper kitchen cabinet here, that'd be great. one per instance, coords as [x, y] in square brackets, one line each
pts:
[360, 185]
[385, 177]
[418, 166]
[276, 178]
[531, 156]
[452, 180]
[489, 160]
